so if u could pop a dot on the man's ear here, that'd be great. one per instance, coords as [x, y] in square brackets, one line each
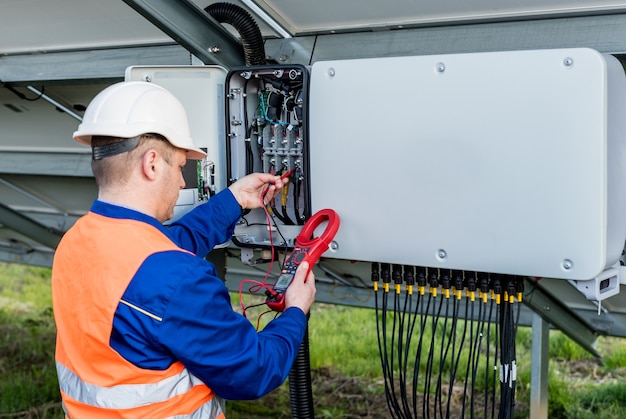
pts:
[149, 162]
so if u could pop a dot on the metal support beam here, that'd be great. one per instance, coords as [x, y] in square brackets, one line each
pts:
[15, 253]
[106, 65]
[194, 29]
[556, 313]
[46, 161]
[604, 33]
[29, 228]
[539, 372]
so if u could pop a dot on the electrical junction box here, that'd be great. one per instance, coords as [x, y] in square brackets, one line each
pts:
[506, 162]
[201, 91]
[267, 131]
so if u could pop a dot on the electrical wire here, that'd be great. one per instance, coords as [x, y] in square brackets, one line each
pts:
[431, 341]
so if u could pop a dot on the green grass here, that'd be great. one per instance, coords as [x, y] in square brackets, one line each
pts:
[346, 370]
[340, 336]
[28, 386]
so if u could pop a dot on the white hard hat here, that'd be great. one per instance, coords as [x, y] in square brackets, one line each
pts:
[128, 109]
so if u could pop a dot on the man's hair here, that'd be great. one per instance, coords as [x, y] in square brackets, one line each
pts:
[115, 171]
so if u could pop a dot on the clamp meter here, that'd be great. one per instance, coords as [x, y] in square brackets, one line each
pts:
[306, 248]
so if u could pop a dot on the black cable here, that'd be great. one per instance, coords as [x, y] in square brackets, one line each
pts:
[392, 351]
[375, 276]
[22, 95]
[387, 374]
[408, 309]
[300, 389]
[452, 344]
[415, 314]
[446, 284]
[243, 22]
[401, 314]
[458, 357]
[442, 358]
[297, 188]
[418, 355]
[286, 217]
[278, 230]
[397, 348]
[429, 362]
[488, 369]
[469, 320]
[477, 346]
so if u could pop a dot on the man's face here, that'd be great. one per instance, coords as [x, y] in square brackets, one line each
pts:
[172, 183]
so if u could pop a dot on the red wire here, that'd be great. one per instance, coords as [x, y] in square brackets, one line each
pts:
[259, 285]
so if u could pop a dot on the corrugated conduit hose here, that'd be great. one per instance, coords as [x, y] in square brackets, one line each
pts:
[243, 22]
[300, 388]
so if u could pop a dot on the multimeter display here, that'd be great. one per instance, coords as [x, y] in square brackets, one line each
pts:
[283, 282]
[307, 249]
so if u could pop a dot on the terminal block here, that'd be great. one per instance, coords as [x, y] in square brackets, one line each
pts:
[267, 131]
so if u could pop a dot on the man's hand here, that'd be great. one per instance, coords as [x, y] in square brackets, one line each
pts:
[301, 291]
[249, 189]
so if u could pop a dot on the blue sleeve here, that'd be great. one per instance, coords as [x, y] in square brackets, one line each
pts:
[207, 225]
[199, 327]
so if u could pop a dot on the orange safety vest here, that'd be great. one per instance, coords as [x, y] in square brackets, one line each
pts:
[92, 268]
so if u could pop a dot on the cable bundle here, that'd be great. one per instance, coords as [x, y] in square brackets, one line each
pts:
[447, 344]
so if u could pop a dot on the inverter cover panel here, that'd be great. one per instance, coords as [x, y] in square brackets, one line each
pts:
[201, 91]
[507, 162]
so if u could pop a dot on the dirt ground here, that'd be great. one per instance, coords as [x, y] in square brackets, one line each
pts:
[337, 396]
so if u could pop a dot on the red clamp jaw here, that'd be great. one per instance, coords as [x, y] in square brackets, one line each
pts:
[316, 246]
[306, 248]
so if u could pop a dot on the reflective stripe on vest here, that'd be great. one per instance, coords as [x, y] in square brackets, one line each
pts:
[95, 380]
[124, 396]
[213, 409]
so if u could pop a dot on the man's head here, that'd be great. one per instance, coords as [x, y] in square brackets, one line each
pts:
[140, 142]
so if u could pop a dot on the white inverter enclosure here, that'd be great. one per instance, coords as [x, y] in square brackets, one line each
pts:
[506, 162]
[201, 91]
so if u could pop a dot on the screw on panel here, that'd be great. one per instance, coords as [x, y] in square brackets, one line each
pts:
[568, 62]
[294, 74]
[441, 255]
[441, 67]
[567, 264]
[334, 246]
[148, 78]
[331, 72]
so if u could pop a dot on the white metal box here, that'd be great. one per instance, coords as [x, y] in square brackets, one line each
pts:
[201, 91]
[508, 162]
